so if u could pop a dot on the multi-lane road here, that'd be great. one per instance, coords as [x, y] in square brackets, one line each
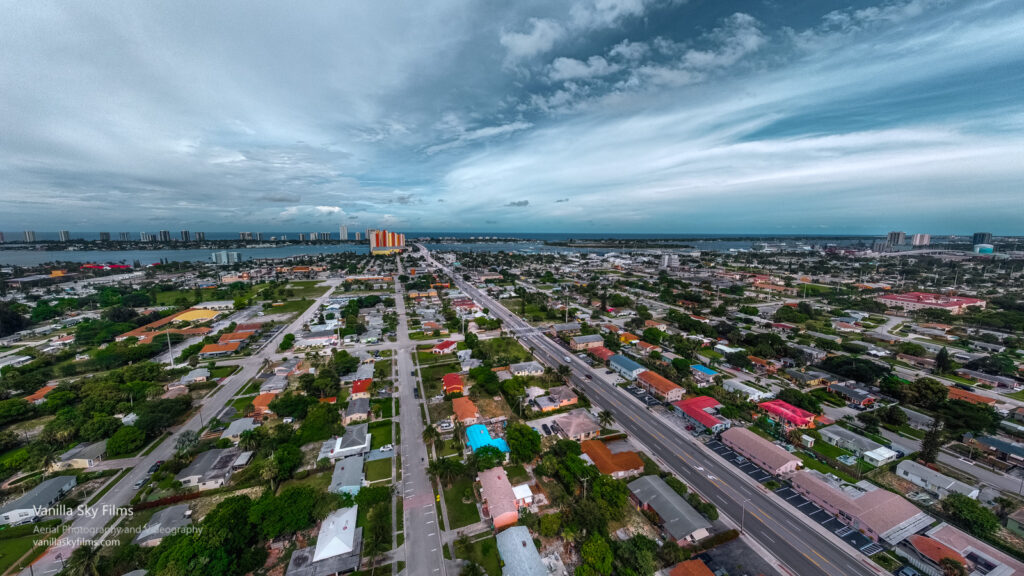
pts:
[802, 548]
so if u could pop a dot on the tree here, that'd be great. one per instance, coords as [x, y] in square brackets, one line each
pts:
[971, 515]
[285, 514]
[288, 458]
[550, 525]
[84, 561]
[472, 569]
[605, 418]
[487, 457]
[870, 421]
[188, 440]
[100, 427]
[564, 372]
[932, 442]
[596, 556]
[636, 556]
[893, 415]
[523, 442]
[125, 441]
[952, 567]
[943, 364]
[322, 422]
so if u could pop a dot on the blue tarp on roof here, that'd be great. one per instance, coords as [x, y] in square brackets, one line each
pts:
[477, 437]
[703, 369]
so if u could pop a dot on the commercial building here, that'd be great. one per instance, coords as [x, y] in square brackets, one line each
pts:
[702, 413]
[934, 481]
[981, 238]
[895, 238]
[30, 235]
[519, 556]
[629, 369]
[342, 233]
[218, 350]
[618, 465]
[499, 500]
[877, 513]
[921, 239]
[64, 236]
[920, 300]
[787, 415]
[676, 518]
[659, 386]
[165, 235]
[766, 455]
[586, 342]
[27, 507]
[186, 236]
[384, 242]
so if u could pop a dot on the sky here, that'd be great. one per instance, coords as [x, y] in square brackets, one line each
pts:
[662, 116]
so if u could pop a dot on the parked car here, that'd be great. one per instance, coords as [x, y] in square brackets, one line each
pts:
[740, 460]
[140, 483]
[547, 429]
[387, 448]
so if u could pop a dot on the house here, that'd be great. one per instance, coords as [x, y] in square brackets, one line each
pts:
[478, 436]
[927, 555]
[877, 513]
[236, 428]
[84, 455]
[1015, 522]
[39, 396]
[848, 440]
[726, 350]
[586, 342]
[27, 507]
[361, 388]
[763, 366]
[499, 500]
[347, 477]
[452, 383]
[337, 547]
[162, 524]
[210, 469]
[275, 384]
[241, 337]
[558, 397]
[446, 347]
[645, 348]
[601, 353]
[531, 368]
[955, 393]
[626, 367]
[694, 567]
[358, 410]
[197, 375]
[702, 374]
[261, 404]
[852, 394]
[766, 455]
[519, 556]
[786, 414]
[752, 394]
[1000, 449]
[218, 350]
[981, 557]
[355, 441]
[628, 338]
[659, 386]
[917, 361]
[618, 465]
[989, 379]
[934, 481]
[880, 456]
[807, 378]
[702, 413]
[676, 518]
[578, 425]
[465, 410]
[657, 325]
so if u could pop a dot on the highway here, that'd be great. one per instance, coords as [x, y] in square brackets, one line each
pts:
[802, 547]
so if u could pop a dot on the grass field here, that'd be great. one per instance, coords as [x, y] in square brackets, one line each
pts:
[223, 371]
[810, 462]
[239, 404]
[517, 474]
[459, 513]
[380, 433]
[307, 288]
[291, 307]
[382, 369]
[505, 349]
[169, 297]
[18, 541]
[378, 470]
[382, 404]
[483, 552]
[1019, 395]
[319, 481]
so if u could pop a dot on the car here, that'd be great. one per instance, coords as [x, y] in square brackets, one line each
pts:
[140, 483]
[588, 376]
[690, 427]
[608, 372]
[387, 448]
[740, 460]
[547, 429]
[153, 468]
[567, 358]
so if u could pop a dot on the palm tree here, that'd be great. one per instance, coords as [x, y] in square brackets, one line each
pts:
[269, 473]
[84, 561]
[459, 427]
[249, 440]
[605, 418]
[564, 372]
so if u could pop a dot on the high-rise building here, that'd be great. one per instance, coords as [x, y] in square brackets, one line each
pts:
[200, 236]
[124, 236]
[64, 236]
[225, 258]
[982, 238]
[104, 236]
[30, 235]
[921, 239]
[384, 242]
[259, 236]
[302, 237]
[343, 233]
[284, 237]
[186, 236]
[895, 238]
[165, 235]
[1, 237]
[358, 237]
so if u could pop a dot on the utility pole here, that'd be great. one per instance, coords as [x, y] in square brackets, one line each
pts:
[169, 352]
[743, 514]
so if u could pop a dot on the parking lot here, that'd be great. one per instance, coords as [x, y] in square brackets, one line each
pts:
[642, 396]
[811, 510]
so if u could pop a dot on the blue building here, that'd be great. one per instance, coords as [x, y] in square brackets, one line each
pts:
[628, 368]
[477, 436]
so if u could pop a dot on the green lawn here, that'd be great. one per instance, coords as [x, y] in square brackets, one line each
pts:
[1019, 395]
[319, 481]
[459, 513]
[290, 307]
[505, 350]
[829, 451]
[307, 288]
[223, 371]
[517, 474]
[380, 433]
[810, 462]
[377, 470]
[483, 552]
[384, 405]
[18, 541]
[240, 404]
[382, 369]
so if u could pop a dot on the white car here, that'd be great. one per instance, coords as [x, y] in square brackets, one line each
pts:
[387, 448]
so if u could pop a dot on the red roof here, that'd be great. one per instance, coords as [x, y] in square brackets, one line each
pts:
[601, 353]
[658, 382]
[239, 336]
[608, 462]
[464, 409]
[329, 400]
[360, 386]
[695, 567]
[445, 345]
[214, 348]
[787, 412]
[452, 383]
[695, 408]
[934, 550]
[39, 394]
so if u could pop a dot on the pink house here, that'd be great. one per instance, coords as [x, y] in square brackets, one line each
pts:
[499, 497]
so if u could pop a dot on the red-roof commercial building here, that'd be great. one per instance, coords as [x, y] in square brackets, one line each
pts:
[446, 347]
[702, 411]
[765, 455]
[788, 415]
[660, 386]
[361, 388]
[452, 383]
[921, 300]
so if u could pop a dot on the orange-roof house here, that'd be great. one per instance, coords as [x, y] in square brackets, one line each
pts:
[695, 567]
[218, 350]
[660, 386]
[617, 465]
[39, 396]
[465, 410]
[261, 404]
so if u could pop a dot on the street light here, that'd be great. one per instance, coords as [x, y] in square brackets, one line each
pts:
[743, 514]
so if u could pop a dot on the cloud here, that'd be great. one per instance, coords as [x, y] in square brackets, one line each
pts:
[540, 38]
[604, 13]
[631, 51]
[740, 36]
[518, 204]
[572, 69]
[560, 200]
[282, 198]
[479, 134]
